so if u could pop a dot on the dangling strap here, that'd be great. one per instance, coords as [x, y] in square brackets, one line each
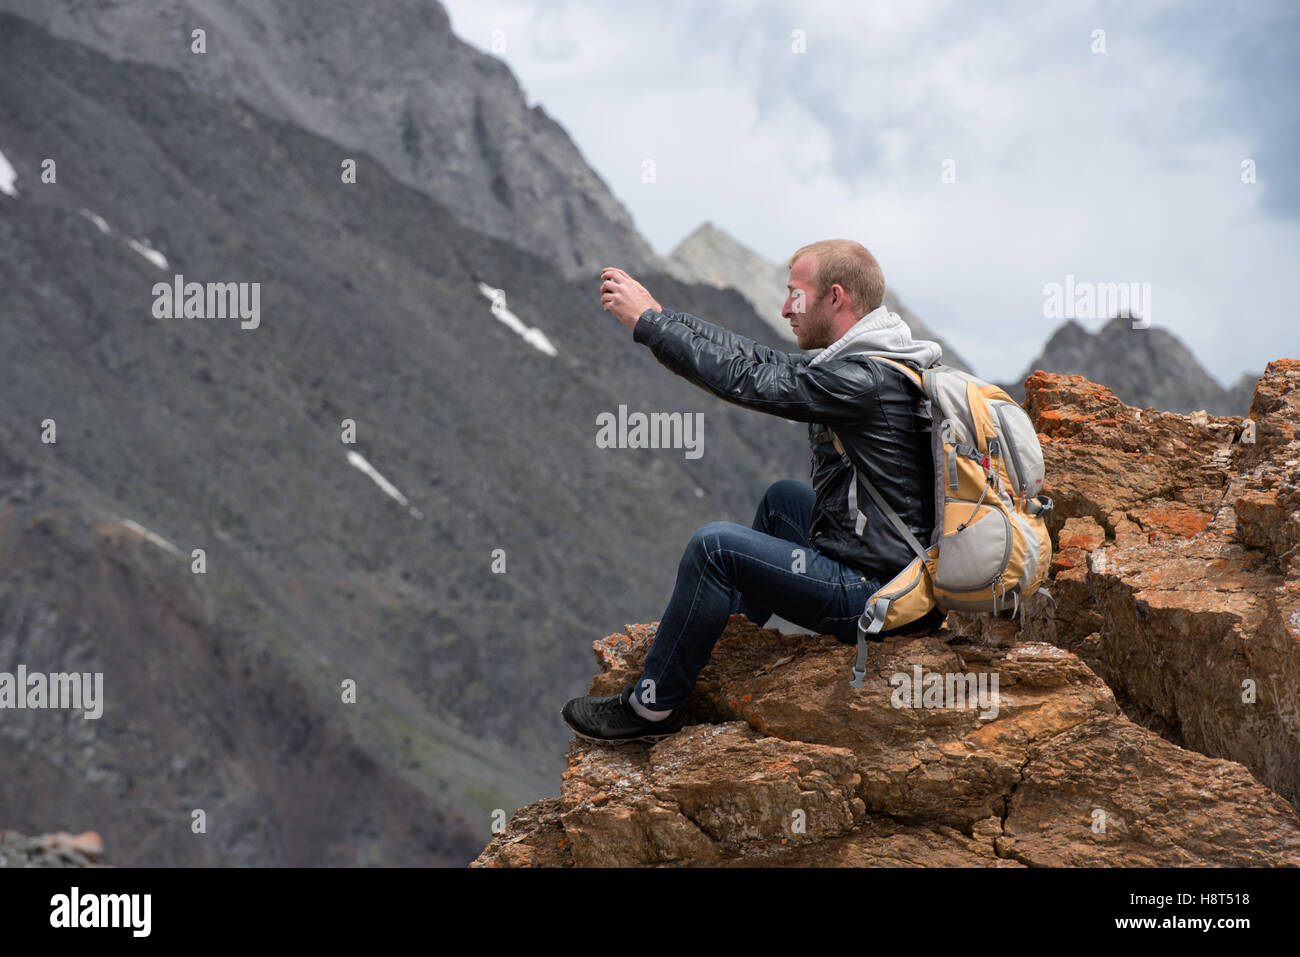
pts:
[881, 504]
[877, 610]
[861, 521]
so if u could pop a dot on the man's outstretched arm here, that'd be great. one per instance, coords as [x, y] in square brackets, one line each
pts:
[762, 379]
[621, 294]
[791, 389]
[731, 341]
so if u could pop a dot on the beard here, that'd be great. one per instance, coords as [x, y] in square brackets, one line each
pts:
[810, 331]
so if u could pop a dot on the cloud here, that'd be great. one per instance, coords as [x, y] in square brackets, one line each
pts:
[1114, 167]
[549, 35]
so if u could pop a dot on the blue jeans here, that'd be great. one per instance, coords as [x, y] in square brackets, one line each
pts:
[728, 569]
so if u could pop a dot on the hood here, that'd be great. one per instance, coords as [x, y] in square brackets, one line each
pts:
[881, 333]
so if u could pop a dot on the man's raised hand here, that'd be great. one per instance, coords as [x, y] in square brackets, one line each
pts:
[624, 296]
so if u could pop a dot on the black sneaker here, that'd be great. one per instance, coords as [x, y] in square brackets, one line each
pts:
[611, 720]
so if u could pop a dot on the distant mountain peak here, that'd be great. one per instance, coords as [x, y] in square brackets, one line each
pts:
[704, 230]
[1144, 366]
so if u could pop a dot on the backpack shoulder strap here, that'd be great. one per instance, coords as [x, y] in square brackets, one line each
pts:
[912, 374]
[885, 508]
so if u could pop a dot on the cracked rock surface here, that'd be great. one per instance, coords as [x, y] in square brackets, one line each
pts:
[789, 766]
[1175, 574]
[1148, 718]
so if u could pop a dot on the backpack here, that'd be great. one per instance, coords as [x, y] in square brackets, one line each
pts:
[990, 546]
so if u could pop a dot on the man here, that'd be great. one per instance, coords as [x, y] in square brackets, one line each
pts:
[814, 555]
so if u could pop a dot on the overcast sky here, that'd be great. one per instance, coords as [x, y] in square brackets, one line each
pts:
[1122, 166]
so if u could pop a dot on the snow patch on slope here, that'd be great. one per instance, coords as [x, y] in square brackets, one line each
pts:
[96, 219]
[152, 537]
[8, 177]
[531, 335]
[358, 461]
[149, 253]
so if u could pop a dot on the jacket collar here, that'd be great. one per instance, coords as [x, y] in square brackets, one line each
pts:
[881, 333]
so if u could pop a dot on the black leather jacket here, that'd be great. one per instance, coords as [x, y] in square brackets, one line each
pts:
[875, 409]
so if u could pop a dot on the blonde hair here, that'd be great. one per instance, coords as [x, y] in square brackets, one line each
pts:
[851, 265]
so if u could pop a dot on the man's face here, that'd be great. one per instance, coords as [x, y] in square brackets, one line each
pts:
[805, 310]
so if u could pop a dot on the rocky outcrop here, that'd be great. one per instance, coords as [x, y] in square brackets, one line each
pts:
[51, 850]
[1176, 577]
[789, 766]
[1148, 718]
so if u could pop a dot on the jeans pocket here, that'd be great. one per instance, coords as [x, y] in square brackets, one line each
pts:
[842, 616]
[857, 590]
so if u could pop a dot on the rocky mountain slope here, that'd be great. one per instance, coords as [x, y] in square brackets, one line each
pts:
[396, 84]
[374, 561]
[1177, 577]
[1147, 719]
[711, 255]
[1144, 367]
[453, 122]
[437, 114]
[453, 561]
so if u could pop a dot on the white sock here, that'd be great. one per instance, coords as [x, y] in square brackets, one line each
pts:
[648, 713]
